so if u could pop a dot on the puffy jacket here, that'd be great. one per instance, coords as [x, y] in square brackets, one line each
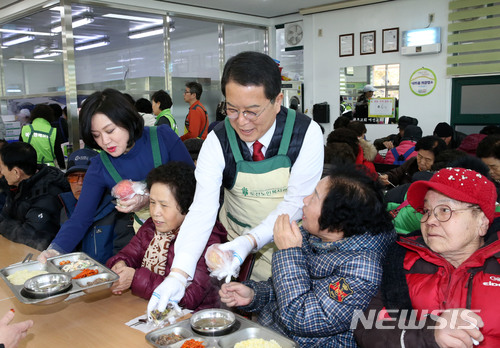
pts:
[404, 173]
[417, 278]
[108, 234]
[404, 146]
[200, 294]
[30, 214]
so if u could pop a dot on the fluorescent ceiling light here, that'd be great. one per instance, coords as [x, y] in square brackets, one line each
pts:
[25, 32]
[46, 55]
[30, 60]
[145, 33]
[14, 90]
[92, 44]
[77, 22]
[133, 18]
[18, 40]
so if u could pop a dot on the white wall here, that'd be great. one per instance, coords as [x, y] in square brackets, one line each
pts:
[322, 61]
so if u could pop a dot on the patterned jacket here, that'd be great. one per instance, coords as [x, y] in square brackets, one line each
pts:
[315, 289]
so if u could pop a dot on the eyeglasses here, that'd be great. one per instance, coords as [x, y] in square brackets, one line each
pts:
[249, 115]
[442, 212]
[188, 92]
[75, 177]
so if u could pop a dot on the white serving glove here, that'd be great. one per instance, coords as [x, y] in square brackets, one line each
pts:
[133, 204]
[171, 290]
[42, 258]
[241, 247]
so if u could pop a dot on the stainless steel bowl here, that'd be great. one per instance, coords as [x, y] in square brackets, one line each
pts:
[46, 285]
[212, 321]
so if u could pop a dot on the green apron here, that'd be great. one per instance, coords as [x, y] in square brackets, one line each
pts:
[257, 190]
[143, 214]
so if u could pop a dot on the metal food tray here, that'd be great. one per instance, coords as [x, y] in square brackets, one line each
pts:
[247, 329]
[52, 266]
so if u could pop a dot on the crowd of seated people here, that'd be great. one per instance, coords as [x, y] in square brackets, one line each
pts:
[330, 266]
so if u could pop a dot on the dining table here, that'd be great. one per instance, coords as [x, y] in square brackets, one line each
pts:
[92, 320]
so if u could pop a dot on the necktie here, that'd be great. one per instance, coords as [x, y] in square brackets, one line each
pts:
[257, 152]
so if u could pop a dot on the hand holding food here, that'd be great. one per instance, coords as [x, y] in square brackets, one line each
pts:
[172, 290]
[131, 195]
[220, 262]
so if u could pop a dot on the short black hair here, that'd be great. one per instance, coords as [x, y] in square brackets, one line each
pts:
[195, 88]
[179, 177]
[339, 152]
[42, 111]
[56, 108]
[143, 105]
[341, 122]
[355, 203]
[117, 108]
[344, 135]
[220, 111]
[253, 69]
[163, 98]
[358, 127]
[431, 143]
[446, 157]
[21, 155]
[129, 98]
[490, 130]
[489, 147]
[193, 145]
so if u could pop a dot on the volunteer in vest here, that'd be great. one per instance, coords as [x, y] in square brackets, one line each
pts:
[266, 157]
[196, 124]
[43, 137]
[161, 103]
[451, 267]
[129, 150]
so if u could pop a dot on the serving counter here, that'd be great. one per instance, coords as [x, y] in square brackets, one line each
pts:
[93, 320]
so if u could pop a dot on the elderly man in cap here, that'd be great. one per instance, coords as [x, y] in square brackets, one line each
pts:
[110, 230]
[393, 140]
[451, 137]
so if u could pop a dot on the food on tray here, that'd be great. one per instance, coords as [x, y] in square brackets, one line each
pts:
[170, 338]
[96, 282]
[20, 277]
[257, 343]
[77, 265]
[209, 323]
[65, 262]
[192, 344]
[86, 273]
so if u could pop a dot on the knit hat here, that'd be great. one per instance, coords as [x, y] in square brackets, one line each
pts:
[79, 160]
[405, 121]
[443, 130]
[461, 184]
[413, 133]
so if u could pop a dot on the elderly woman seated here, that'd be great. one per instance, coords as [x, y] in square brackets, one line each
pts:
[441, 285]
[327, 267]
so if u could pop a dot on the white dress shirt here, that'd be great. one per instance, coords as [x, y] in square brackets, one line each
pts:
[197, 226]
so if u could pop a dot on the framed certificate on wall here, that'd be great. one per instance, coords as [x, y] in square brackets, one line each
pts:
[367, 42]
[390, 40]
[346, 45]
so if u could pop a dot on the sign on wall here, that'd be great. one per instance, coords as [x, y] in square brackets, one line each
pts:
[423, 82]
[381, 107]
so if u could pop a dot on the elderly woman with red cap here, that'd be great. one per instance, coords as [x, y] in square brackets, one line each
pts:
[441, 285]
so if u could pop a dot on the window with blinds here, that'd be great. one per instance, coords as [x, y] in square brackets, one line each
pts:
[473, 37]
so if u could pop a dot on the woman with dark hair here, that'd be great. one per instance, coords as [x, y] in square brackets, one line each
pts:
[129, 151]
[43, 137]
[328, 265]
[427, 148]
